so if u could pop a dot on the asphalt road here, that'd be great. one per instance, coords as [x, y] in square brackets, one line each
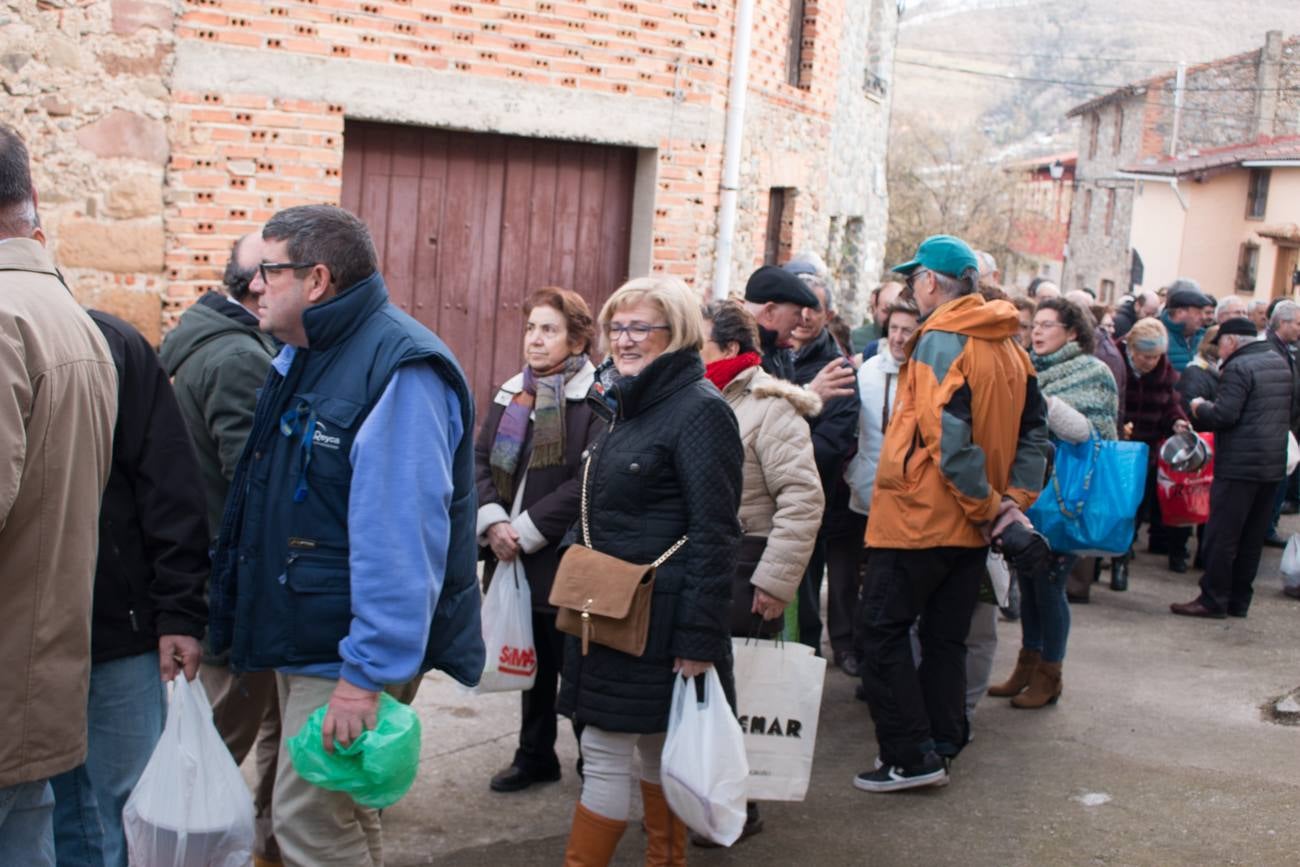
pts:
[1157, 754]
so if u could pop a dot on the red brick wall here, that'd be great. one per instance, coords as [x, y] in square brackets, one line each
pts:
[238, 157]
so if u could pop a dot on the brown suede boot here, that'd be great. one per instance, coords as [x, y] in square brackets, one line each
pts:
[592, 839]
[1044, 687]
[1019, 679]
[665, 834]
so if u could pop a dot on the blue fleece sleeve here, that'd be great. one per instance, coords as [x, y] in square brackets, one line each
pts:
[398, 525]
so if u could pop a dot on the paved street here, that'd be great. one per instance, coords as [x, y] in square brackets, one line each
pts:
[1156, 755]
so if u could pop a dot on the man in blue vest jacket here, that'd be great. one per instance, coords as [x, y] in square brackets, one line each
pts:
[346, 559]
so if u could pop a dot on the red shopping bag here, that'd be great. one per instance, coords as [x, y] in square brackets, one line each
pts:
[1185, 497]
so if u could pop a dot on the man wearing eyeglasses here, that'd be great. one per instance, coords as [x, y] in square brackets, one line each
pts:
[346, 560]
[965, 452]
[217, 358]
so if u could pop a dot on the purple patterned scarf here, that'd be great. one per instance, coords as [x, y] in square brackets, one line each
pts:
[542, 399]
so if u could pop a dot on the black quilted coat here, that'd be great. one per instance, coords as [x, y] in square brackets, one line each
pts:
[669, 466]
[1250, 415]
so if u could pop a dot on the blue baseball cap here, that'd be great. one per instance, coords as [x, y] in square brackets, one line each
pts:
[942, 253]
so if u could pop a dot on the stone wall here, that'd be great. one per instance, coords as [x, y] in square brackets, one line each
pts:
[86, 86]
[1221, 107]
[171, 134]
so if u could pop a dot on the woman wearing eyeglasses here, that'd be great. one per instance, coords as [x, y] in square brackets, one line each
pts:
[527, 462]
[668, 468]
[1081, 400]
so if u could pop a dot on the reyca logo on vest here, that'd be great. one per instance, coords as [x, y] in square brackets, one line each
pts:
[323, 439]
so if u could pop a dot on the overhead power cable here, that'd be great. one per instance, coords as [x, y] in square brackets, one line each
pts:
[1088, 85]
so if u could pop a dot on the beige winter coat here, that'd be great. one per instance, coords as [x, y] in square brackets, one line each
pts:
[781, 497]
[58, 403]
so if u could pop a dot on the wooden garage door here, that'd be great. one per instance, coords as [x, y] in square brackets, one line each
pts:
[467, 225]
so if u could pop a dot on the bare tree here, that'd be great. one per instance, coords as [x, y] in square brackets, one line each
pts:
[946, 183]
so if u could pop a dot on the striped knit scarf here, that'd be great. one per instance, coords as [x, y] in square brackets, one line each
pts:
[1083, 382]
[542, 399]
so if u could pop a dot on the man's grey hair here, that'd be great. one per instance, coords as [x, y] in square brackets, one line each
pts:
[1285, 311]
[808, 257]
[956, 287]
[1223, 305]
[1255, 305]
[326, 235]
[816, 281]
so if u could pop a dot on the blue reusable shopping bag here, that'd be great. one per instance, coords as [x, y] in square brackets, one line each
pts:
[1090, 503]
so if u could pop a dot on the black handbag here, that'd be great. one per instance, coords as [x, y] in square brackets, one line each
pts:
[744, 622]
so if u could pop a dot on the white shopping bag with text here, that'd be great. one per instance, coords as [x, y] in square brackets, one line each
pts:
[511, 656]
[191, 807]
[778, 701]
[703, 770]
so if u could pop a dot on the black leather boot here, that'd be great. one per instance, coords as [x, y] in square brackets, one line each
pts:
[1119, 574]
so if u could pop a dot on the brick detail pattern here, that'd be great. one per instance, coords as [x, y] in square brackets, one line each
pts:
[116, 143]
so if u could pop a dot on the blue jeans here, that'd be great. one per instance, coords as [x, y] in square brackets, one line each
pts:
[26, 835]
[128, 703]
[1044, 611]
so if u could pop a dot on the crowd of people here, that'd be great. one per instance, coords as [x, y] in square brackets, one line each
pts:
[294, 501]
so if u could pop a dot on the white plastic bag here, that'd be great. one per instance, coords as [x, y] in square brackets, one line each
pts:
[778, 700]
[1291, 563]
[191, 807]
[999, 577]
[1292, 453]
[704, 769]
[511, 661]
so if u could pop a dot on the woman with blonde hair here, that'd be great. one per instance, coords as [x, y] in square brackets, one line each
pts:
[668, 470]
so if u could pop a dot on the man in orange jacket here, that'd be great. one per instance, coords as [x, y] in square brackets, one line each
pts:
[966, 452]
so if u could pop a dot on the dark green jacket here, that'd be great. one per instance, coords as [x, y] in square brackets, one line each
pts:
[218, 360]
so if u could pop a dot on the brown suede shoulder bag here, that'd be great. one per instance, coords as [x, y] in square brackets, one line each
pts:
[602, 598]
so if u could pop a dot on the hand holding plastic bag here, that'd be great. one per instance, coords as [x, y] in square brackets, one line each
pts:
[704, 769]
[511, 658]
[376, 769]
[191, 807]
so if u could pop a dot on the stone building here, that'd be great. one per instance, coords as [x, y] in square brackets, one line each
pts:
[1244, 99]
[492, 145]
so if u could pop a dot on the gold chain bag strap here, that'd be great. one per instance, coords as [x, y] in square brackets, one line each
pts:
[602, 598]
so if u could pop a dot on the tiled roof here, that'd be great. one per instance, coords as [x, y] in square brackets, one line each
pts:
[1189, 164]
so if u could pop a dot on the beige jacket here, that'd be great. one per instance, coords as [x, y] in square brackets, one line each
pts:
[58, 404]
[781, 497]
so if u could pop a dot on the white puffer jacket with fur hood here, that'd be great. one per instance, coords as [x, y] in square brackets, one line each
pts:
[781, 497]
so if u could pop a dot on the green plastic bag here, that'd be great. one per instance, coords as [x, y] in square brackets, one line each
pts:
[376, 769]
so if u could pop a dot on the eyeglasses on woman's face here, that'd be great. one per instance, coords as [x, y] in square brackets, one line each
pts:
[637, 332]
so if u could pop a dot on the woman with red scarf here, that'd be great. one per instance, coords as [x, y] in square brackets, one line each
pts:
[781, 497]
[527, 460]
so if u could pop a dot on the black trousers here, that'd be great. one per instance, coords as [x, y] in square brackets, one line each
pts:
[844, 554]
[1234, 538]
[537, 733]
[917, 710]
[1172, 538]
[810, 598]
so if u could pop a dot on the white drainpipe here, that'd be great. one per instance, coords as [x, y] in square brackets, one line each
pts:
[731, 154]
